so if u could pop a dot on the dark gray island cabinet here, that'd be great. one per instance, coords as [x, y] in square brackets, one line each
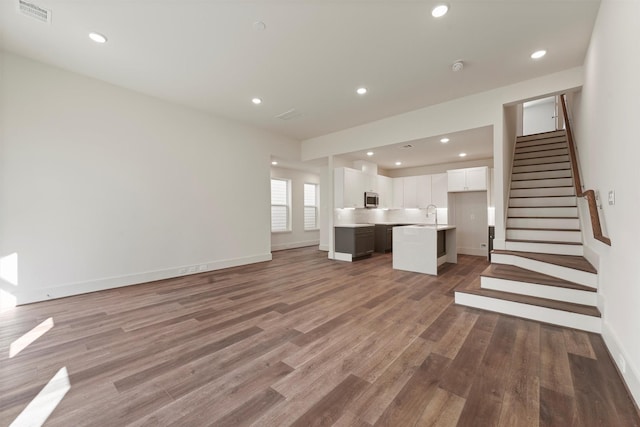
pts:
[353, 241]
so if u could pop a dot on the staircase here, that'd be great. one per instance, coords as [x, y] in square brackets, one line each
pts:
[541, 274]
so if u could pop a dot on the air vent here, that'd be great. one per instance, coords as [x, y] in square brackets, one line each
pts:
[34, 11]
[406, 147]
[288, 115]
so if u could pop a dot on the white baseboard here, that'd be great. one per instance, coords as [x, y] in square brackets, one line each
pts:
[631, 374]
[472, 251]
[324, 248]
[339, 256]
[293, 245]
[591, 256]
[28, 296]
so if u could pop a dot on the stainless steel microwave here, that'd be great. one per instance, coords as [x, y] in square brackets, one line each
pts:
[371, 200]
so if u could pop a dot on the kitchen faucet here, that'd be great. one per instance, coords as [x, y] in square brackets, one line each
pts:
[435, 213]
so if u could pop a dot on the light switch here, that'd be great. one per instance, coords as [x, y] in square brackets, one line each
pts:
[612, 197]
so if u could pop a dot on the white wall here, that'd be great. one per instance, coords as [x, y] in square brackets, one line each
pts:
[103, 187]
[606, 132]
[297, 237]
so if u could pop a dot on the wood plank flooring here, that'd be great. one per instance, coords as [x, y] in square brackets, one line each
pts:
[305, 341]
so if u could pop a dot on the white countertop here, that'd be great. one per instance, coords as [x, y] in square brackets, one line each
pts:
[398, 223]
[431, 226]
[353, 225]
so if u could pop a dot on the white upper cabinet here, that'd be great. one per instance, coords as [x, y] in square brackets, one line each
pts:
[385, 191]
[439, 190]
[423, 191]
[398, 193]
[412, 192]
[349, 187]
[469, 179]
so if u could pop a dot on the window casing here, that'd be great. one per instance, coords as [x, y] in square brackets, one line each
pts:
[310, 206]
[280, 205]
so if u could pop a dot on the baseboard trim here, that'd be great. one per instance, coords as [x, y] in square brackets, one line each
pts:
[472, 251]
[43, 294]
[324, 248]
[631, 375]
[294, 245]
[340, 256]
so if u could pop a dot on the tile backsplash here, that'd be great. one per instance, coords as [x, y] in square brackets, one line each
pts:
[372, 216]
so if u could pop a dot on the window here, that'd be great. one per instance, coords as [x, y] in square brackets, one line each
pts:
[311, 206]
[280, 217]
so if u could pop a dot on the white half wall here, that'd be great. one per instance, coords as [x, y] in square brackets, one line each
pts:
[103, 187]
[297, 237]
[606, 132]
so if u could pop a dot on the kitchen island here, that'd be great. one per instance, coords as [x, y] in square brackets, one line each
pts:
[422, 248]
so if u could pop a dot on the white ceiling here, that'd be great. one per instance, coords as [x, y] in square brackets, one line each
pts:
[312, 55]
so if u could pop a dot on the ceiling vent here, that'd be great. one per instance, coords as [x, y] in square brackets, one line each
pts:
[288, 115]
[406, 147]
[34, 11]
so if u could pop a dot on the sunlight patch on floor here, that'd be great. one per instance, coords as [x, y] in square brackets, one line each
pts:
[21, 343]
[39, 409]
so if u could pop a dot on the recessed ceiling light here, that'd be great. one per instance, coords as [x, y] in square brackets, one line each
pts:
[97, 37]
[259, 26]
[439, 11]
[257, 101]
[369, 153]
[444, 140]
[398, 163]
[274, 163]
[462, 154]
[361, 90]
[538, 54]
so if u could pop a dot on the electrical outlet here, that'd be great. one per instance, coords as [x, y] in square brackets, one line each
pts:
[192, 269]
[612, 197]
[203, 267]
[182, 271]
[623, 363]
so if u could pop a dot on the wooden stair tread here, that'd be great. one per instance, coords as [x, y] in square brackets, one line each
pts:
[538, 197]
[543, 207]
[543, 217]
[570, 261]
[544, 170]
[519, 274]
[543, 229]
[475, 289]
[545, 241]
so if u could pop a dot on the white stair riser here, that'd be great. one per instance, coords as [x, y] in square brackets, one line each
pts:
[516, 202]
[545, 235]
[544, 212]
[541, 314]
[545, 248]
[532, 148]
[564, 183]
[540, 291]
[545, 153]
[570, 223]
[565, 273]
[542, 192]
[541, 160]
[537, 168]
[562, 173]
[540, 139]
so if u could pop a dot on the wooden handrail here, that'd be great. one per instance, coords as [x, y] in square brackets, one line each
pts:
[589, 195]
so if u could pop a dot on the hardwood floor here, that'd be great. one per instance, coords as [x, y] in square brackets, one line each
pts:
[305, 341]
